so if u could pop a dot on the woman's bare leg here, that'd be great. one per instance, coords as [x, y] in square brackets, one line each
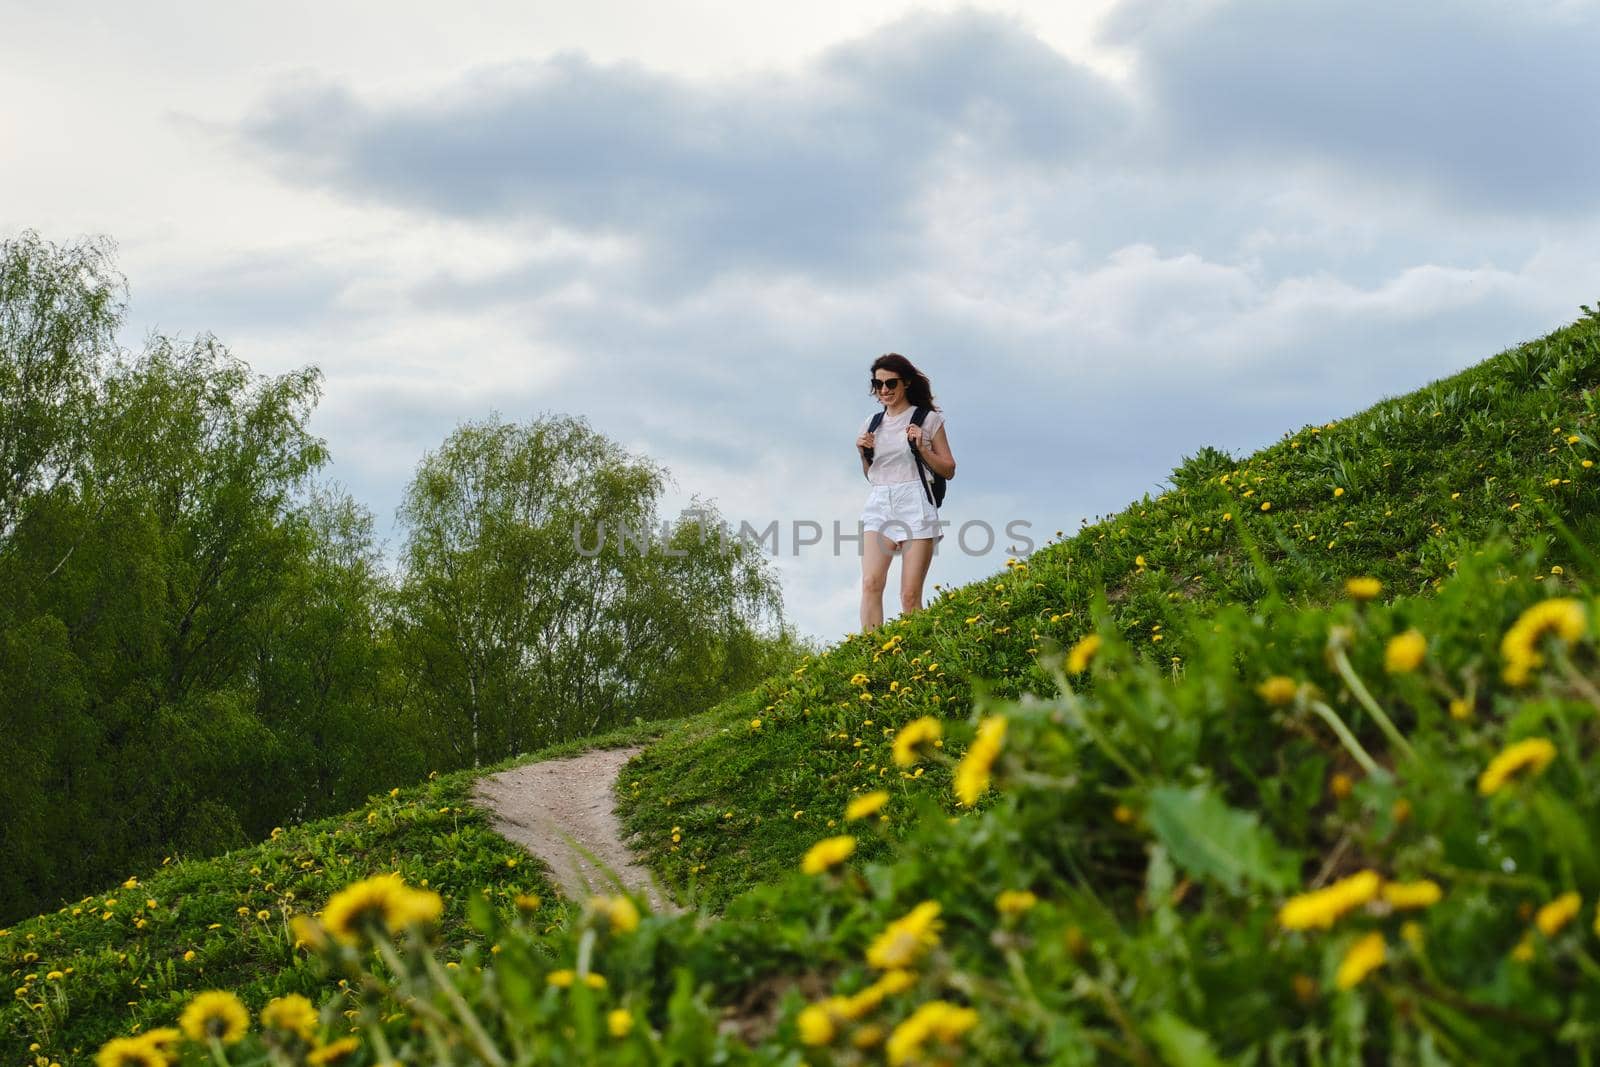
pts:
[915, 558]
[876, 553]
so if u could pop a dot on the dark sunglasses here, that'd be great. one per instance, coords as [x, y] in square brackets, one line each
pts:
[885, 384]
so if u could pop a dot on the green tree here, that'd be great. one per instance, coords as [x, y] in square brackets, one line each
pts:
[59, 312]
[518, 632]
[191, 645]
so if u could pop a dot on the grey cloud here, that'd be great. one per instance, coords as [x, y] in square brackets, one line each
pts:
[820, 171]
[1492, 105]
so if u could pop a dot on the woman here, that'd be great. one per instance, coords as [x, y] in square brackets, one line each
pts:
[900, 510]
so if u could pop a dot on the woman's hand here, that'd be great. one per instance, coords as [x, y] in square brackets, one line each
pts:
[914, 435]
[865, 441]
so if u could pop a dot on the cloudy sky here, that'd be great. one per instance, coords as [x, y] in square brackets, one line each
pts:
[1111, 232]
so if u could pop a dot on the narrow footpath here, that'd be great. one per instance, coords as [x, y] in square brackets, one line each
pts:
[563, 811]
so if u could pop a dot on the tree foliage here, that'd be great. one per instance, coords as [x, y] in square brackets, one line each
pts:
[527, 617]
[200, 641]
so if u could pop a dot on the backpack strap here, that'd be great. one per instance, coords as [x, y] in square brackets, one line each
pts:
[872, 427]
[923, 471]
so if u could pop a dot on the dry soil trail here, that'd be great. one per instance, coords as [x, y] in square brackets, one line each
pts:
[563, 808]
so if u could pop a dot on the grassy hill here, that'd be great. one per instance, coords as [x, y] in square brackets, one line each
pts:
[1399, 492]
[1264, 822]
[127, 958]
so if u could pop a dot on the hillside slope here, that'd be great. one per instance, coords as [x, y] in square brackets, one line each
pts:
[1148, 820]
[1397, 492]
[127, 959]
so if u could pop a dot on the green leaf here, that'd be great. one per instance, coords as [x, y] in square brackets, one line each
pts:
[1208, 839]
[481, 914]
[1181, 1044]
[1567, 833]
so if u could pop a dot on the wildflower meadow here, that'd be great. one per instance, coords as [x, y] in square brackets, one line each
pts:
[1291, 763]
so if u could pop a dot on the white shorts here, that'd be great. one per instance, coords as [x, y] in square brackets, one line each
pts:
[901, 512]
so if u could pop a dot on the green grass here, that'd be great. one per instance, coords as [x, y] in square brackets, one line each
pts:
[1160, 825]
[131, 970]
[1399, 491]
[1159, 808]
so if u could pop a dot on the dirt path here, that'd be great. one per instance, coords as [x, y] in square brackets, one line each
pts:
[561, 809]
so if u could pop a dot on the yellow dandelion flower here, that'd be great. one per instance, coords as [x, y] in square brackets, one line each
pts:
[1404, 652]
[1460, 710]
[972, 776]
[1409, 895]
[937, 1019]
[1363, 588]
[308, 932]
[293, 1013]
[1323, 907]
[1531, 755]
[1278, 691]
[1558, 913]
[828, 854]
[815, 1023]
[905, 939]
[1363, 957]
[866, 805]
[859, 679]
[215, 1014]
[165, 1039]
[1082, 653]
[1338, 491]
[910, 742]
[619, 912]
[1561, 617]
[1013, 902]
[1340, 785]
[755, 724]
[333, 1052]
[1266, 505]
[1138, 561]
[867, 1037]
[619, 1022]
[383, 902]
[128, 1052]
[862, 1003]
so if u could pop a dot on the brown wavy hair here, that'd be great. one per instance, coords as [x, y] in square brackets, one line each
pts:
[919, 391]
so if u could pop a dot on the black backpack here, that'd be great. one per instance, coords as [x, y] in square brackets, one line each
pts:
[935, 493]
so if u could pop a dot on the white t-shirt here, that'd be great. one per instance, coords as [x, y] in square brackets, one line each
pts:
[892, 462]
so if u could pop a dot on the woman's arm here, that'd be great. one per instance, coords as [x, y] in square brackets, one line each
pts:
[937, 455]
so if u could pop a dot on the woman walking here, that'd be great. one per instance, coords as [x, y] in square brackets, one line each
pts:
[900, 458]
